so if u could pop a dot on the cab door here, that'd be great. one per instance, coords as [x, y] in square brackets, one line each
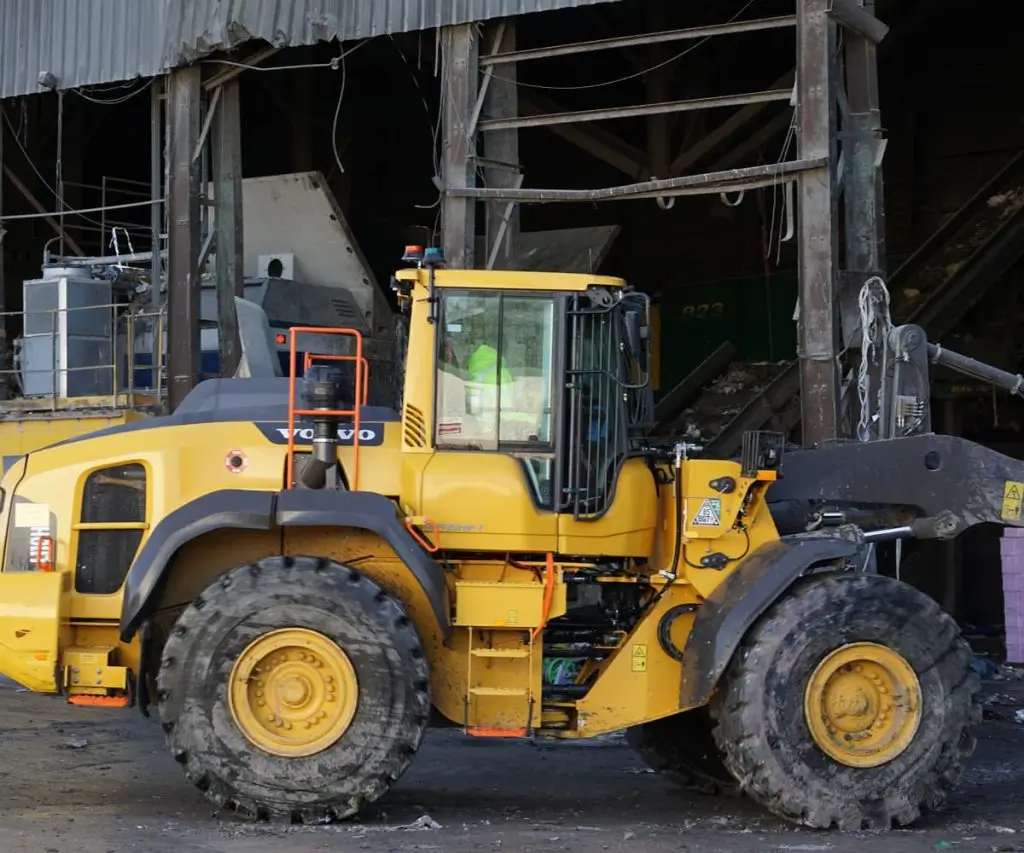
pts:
[490, 485]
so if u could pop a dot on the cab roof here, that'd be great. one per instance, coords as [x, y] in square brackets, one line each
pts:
[508, 279]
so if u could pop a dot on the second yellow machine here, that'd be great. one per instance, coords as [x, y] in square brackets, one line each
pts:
[302, 583]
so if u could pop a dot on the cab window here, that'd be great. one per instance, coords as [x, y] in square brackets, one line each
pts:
[110, 527]
[495, 372]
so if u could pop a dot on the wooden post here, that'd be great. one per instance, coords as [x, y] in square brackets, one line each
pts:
[184, 92]
[817, 333]
[460, 50]
[227, 178]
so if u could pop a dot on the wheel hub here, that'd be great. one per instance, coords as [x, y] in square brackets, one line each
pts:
[293, 692]
[863, 705]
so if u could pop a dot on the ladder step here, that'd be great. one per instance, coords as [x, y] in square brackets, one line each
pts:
[482, 731]
[510, 654]
[497, 691]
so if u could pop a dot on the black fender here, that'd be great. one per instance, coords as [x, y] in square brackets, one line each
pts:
[237, 508]
[253, 510]
[376, 513]
[739, 601]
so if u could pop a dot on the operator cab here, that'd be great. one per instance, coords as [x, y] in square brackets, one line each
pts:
[550, 369]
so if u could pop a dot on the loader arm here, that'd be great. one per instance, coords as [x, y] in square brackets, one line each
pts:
[925, 486]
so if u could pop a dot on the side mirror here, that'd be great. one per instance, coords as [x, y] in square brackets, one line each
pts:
[636, 336]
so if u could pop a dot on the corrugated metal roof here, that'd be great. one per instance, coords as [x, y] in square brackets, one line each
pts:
[91, 42]
[81, 42]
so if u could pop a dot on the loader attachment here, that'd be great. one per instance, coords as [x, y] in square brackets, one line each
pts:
[923, 486]
[32, 616]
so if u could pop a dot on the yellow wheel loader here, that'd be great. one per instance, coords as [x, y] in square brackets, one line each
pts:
[302, 583]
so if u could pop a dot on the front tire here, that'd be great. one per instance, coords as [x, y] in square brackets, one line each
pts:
[850, 705]
[682, 749]
[294, 689]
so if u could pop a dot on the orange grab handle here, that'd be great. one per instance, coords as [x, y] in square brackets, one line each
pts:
[428, 546]
[549, 595]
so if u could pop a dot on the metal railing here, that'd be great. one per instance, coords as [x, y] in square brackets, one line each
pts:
[115, 378]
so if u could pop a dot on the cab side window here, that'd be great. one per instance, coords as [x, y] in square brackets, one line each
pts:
[495, 371]
[110, 528]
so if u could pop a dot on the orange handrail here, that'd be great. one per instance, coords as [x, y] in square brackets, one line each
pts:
[354, 413]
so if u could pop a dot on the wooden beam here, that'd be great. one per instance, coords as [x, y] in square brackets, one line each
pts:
[727, 128]
[596, 141]
[754, 141]
[31, 199]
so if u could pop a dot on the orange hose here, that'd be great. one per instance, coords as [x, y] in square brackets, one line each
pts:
[549, 595]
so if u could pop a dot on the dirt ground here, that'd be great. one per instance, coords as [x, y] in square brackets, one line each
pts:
[95, 781]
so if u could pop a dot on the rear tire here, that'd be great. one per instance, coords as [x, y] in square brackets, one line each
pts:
[765, 733]
[682, 749]
[337, 609]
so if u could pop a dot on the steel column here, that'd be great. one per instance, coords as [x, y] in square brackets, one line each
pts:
[817, 333]
[184, 90]
[227, 178]
[460, 52]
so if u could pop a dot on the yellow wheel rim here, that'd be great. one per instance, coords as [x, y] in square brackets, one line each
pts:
[293, 692]
[863, 705]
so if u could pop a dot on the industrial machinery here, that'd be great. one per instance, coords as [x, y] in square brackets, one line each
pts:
[301, 582]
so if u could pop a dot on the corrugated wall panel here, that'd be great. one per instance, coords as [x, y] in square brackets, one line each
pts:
[90, 42]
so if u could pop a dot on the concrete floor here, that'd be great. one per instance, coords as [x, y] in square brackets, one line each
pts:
[94, 781]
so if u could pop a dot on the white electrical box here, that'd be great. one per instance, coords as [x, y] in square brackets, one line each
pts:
[277, 265]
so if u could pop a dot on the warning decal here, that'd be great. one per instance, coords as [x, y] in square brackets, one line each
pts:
[1013, 498]
[709, 514]
[638, 662]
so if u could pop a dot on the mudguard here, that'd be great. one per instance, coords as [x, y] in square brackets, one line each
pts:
[376, 513]
[741, 599]
[252, 510]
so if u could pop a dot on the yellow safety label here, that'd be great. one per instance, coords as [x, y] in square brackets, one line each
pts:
[639, 661]
[1013, 499]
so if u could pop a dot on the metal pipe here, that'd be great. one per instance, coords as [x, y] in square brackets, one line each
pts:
[888, 534]
[689, 34]
[1011, 382]
[690, 105]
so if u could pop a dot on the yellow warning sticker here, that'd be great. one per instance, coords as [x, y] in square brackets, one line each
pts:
[1013, 499]
[639, 661]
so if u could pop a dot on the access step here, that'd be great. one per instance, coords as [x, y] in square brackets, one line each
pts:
[90, 678]
[505, 654]
[497, 691]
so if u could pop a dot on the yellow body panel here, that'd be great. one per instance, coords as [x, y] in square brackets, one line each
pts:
[479, 501]
[508, 280]
[629, 526]
[638, 682]
[33, 627]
